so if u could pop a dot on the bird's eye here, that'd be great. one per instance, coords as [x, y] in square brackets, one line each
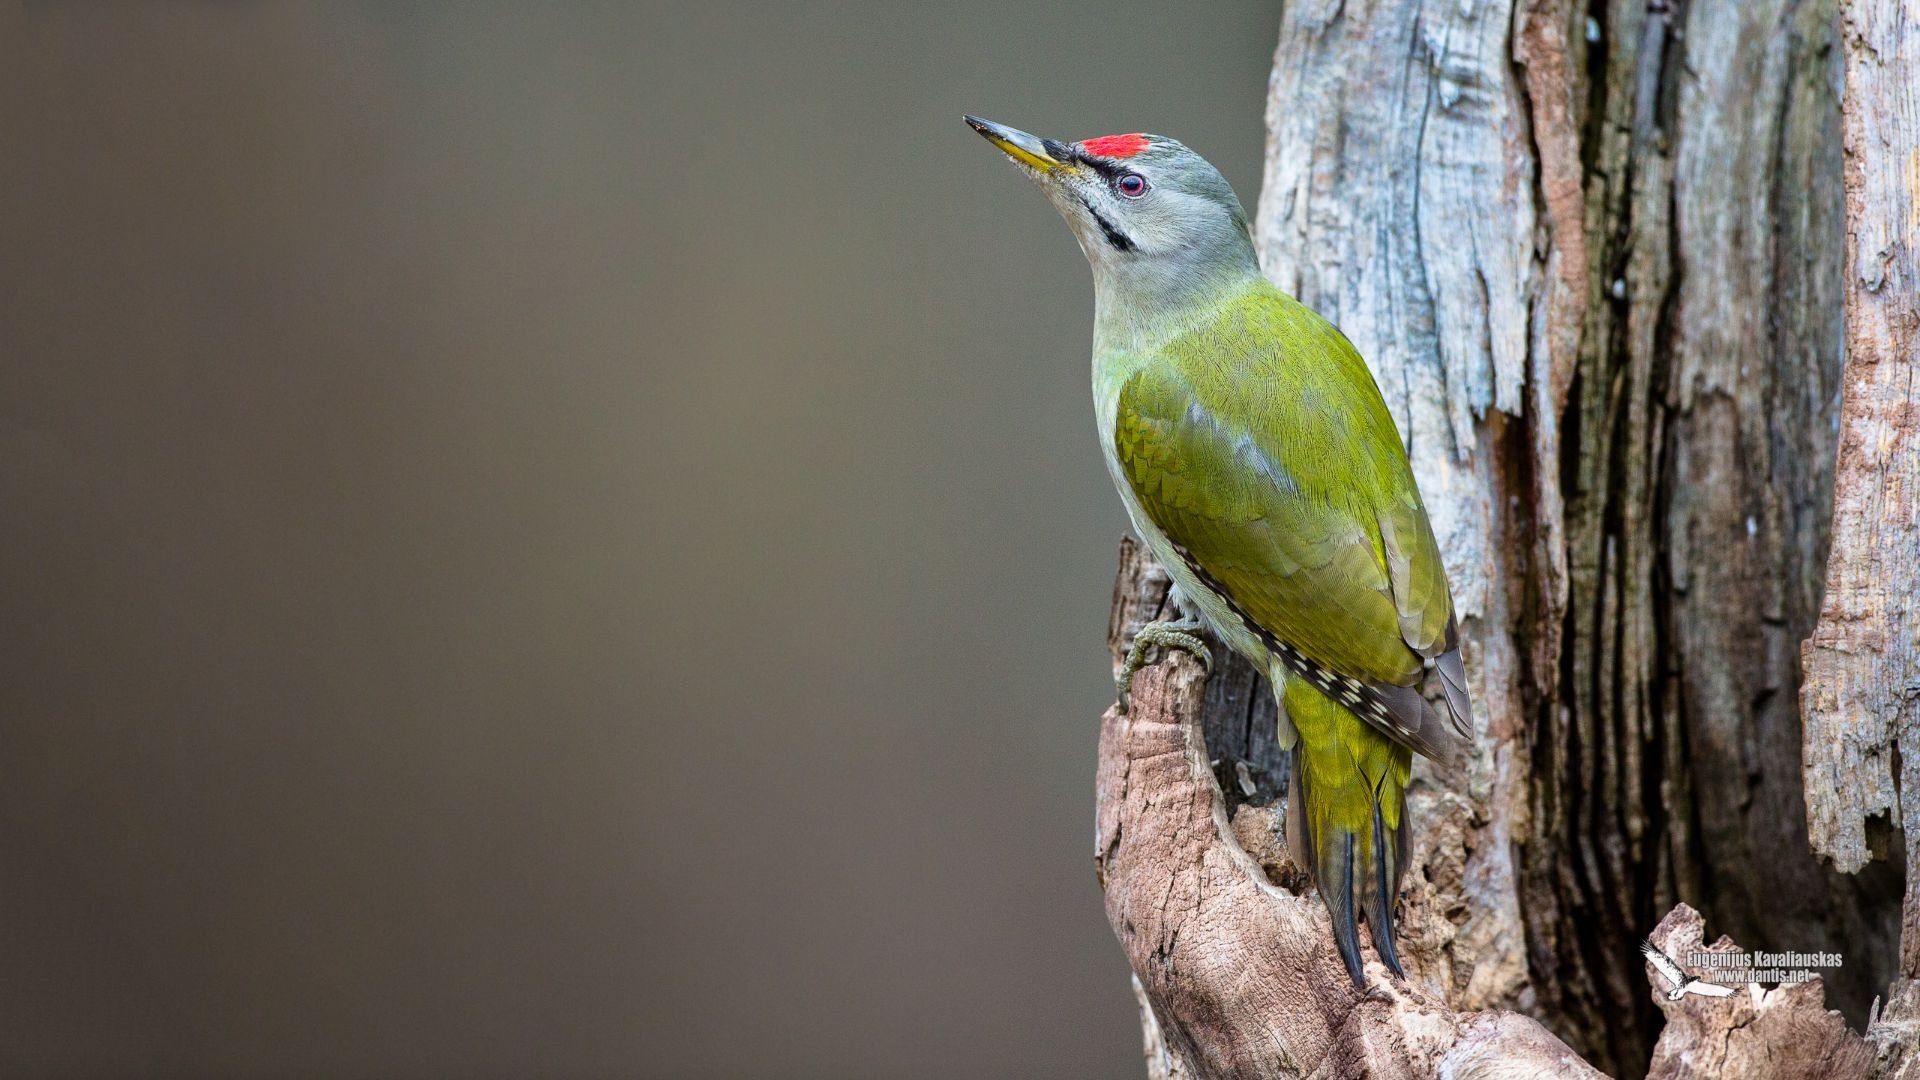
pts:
[1133, 185]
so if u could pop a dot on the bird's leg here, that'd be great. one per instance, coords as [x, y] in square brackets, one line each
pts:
[1168, 634]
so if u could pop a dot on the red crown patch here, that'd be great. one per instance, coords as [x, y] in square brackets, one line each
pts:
[1115, 146]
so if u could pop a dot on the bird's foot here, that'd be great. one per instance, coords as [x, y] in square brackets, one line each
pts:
[1168, 635]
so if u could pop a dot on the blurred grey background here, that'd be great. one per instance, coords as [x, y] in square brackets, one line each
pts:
[561, 541]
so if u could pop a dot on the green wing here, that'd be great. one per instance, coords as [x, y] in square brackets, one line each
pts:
[1261, 447]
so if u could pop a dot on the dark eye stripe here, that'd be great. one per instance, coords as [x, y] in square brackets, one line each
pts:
[1119, 240]
[1100, 165]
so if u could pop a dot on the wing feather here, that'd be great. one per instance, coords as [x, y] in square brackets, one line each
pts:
[1668, 970]
[1707, 989]
[1282, 483]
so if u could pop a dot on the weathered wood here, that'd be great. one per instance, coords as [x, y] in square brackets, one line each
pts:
[1399, 203]
[1232, 951]
[1541, 49]
[1748, 396]
[1700, 458]
[1241, 975]
[1780, 1033]
[1240, 728]
[1861, 699]
[1237, 975]
[1589, 252]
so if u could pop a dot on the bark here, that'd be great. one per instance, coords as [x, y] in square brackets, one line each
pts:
[1700, 467]
[1862, 696]
[1785, 1031]
[1232, 951]
[1594, 256]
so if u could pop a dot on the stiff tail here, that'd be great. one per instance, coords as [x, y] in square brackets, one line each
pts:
[1347, 819]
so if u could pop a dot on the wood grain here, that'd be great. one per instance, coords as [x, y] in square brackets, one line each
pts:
[1861, 700]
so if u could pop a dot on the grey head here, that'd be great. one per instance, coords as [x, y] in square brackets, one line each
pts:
[1149, 213]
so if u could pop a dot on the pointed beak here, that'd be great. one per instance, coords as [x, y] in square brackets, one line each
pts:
[1040, 155]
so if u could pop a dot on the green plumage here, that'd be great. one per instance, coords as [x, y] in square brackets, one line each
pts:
[1258, 461]
[1257, 444]
[1347, 807]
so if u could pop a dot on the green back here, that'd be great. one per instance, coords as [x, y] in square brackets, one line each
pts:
[1260, 445]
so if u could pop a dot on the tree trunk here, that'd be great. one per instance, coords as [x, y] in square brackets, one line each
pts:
[1607, 266]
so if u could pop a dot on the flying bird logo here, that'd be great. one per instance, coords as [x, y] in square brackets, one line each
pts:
[1681, 982]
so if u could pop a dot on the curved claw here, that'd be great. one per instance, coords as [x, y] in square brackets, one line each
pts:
[1167, 635]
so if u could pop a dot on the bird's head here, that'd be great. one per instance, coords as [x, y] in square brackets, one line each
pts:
[1142, 206]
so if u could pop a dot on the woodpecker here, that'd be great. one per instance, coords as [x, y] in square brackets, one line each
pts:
[1258, 461]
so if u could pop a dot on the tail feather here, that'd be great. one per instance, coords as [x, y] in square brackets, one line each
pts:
[1336, 888]
[1346, 820]
[1299, 838]
[1386, 881]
